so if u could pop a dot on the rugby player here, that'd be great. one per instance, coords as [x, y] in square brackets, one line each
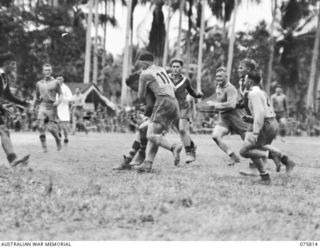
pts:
[182, 88]
[165, 111]
[77, 111]
[230, 118]
[279, 104]
[260, 135]
[7, 66]
[46, 91]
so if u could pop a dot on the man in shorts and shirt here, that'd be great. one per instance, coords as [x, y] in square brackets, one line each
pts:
[77, 111]
[279, 103]
[165, 111]
[263, 130]
[230, 118]
[182, 88]
[63, 108]
[46, 91]
[8, 65]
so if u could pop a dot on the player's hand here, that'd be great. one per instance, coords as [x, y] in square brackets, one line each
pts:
[211, 103]
[247, 118]
[56, 103]
[252, 138]
[199, 94]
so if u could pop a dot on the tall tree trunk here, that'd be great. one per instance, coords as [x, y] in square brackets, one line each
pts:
[200, 47]
[87, 65]
[182, 2]
[269, 75]
[104, 43]
[311, 88]
[232, 38]
[126, 56]
[95, 52]
[189, 35]
[166, 43]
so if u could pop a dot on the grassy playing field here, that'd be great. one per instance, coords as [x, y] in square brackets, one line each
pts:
[74, 194]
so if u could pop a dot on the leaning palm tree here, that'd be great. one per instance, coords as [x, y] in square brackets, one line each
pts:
[200, 46]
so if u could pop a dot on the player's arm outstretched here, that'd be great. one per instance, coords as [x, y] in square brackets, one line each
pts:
[192, 91]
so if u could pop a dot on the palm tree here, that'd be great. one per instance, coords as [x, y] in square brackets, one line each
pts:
[274, 11]
[200, 46]
[126, 56]
[86, 79]
[311, 87]
[95, 51]
[181, 8]
[232, 38]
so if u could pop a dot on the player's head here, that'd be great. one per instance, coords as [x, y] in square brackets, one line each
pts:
[176, 66]
[278, 90]
[246, 65]
[221, 75]
[144, 60]
[252, 78]
[47, 70]
[77, 90]
[8, 62]
[60, 79]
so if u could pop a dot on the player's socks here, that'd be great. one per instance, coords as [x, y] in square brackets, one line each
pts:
[265, 178]
[134, 149]
[43, 142]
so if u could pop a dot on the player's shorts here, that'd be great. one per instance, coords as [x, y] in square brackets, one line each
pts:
[2, 122]
[232, 121]
[65, 125]
[268, 132]
[165, 111]
[77, 113]
[47, 112]
[280, 115]
[184, 110]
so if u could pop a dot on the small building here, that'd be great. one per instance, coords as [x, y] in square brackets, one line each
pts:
[93, 96]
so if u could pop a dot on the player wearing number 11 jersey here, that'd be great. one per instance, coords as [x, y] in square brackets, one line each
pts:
[165, 110]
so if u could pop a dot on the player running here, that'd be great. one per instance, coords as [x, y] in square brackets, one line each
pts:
[46, 91]
[182, 88]
[63, 108]
[165, 111]
[7, 66]
[257, 141]
[230, 118]
[279, 104]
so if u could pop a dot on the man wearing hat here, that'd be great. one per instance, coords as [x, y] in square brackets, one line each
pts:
[182, 88]
[7, 66]
[165, 111]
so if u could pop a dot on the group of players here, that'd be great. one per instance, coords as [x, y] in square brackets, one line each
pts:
[247, 112]
[52, 99]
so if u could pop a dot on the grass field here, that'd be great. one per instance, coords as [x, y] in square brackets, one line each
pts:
[74, 194]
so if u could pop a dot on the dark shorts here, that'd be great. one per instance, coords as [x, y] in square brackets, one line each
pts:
[165, 111]
[184, 110]
[268, 132]
[280, 115]
[47, 112]
[232, 120]
[2, 118]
